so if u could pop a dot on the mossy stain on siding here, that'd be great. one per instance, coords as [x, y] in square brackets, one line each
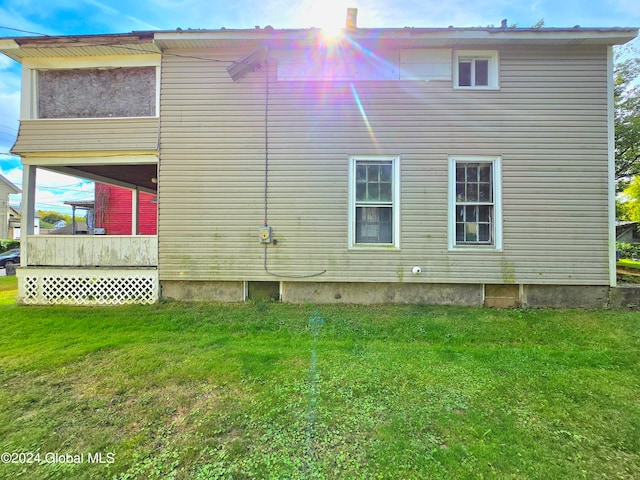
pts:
[400, 271]
[508, 271]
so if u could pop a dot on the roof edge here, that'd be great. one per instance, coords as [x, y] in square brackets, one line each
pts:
[5, 180]
[142, 41]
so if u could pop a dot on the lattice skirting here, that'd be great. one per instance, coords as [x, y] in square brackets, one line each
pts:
[88, 288]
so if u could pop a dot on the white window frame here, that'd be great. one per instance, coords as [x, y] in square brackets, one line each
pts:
[493, 69]
[395, 204]
[497, 202]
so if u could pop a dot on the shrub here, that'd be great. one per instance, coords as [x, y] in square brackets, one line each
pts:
[628, 250]
[7, 244]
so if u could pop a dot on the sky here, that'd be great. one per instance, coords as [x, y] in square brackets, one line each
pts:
[73, 17]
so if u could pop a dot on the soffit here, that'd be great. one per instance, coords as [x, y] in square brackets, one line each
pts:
[127, 176]
[78, 46]
[140, 175]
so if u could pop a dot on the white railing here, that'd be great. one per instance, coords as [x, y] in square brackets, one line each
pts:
[92, 251]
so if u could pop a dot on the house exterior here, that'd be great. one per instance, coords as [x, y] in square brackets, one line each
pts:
[15, 215]
[6, 188]
[439, 165]
[114, 208]
[627, 232]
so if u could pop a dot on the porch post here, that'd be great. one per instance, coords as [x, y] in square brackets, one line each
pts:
[135, 211]
[73, 219]
[28, 209]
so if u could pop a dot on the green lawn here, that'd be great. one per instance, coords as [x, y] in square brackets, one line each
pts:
[625, 262]
[628, 271]
[265, 390]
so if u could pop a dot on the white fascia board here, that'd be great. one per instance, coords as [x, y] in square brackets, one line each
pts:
[413, 36]
[106, 61]
[70, 159]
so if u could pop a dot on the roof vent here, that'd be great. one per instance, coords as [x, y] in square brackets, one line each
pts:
[352, 19]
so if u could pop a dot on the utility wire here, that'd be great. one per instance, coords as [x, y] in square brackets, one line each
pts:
[62, 189]
[24, 31]
[266, 143]
[266, 181]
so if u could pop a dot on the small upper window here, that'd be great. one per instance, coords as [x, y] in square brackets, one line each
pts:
[476, 69]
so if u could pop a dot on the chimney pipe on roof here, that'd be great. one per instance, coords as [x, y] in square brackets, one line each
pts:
[352, 19]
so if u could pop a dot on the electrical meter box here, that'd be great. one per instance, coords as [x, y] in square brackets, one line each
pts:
[265, 234]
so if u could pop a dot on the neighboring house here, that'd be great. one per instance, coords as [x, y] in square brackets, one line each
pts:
[439, 165]
[88, 207]
[6, 188]
[627, 232]
[15, 216]
[114, 207]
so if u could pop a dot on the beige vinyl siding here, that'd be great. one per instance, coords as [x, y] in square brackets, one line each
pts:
[86, 135]
[548, 123]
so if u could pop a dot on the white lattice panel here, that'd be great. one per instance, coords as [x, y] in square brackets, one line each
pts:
[90, 288]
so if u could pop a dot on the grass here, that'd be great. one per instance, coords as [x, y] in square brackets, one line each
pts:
[625, 262]
[628, 271]
[265, 390]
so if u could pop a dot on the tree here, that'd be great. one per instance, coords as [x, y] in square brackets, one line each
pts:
[52, 217]
[626, 116]
[628, 206]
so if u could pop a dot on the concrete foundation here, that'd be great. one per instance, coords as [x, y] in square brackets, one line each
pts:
[203, 291]
[476, 295]
[370, 293]
[565, 296]
[625, 297]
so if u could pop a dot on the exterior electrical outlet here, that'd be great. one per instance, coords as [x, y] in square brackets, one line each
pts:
[265, 234]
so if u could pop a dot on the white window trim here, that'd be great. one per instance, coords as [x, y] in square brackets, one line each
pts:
[497, 203]
[494, 63]
[395, 244]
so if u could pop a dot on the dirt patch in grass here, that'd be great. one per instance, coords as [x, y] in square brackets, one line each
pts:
[627, 276]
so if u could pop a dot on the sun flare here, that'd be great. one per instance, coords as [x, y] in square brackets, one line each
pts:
[328, 15]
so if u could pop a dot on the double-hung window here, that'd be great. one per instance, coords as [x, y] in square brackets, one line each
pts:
[475, 216]
[476, 69]
[374, 201]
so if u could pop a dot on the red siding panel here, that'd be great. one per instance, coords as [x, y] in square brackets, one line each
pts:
[113, 211]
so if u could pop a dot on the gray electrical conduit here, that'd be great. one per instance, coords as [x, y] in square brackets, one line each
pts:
[266, 180]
